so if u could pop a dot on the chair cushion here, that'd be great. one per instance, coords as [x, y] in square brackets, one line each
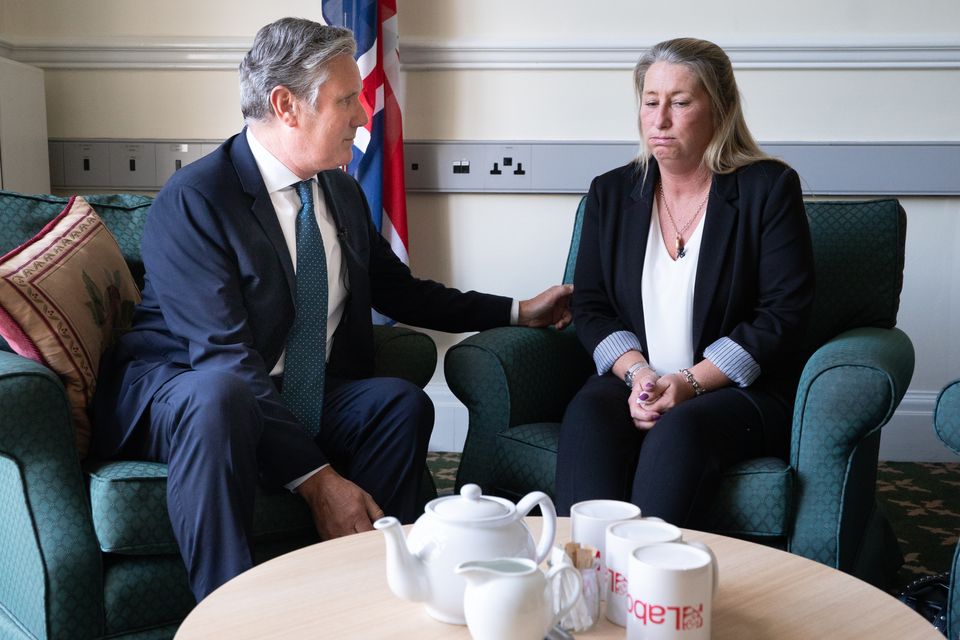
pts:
[574, 250]
[858, 254]
[526, 456]
[144, 592]
[754, 498]
[64, 295]
[129, 504]
[23, 216]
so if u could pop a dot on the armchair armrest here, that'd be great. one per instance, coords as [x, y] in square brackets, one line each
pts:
[510, 376]
[946, 416]
[49, 558]
[400, 352]
[849, 389]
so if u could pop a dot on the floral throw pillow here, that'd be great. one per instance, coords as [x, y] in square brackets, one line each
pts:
[65, 295]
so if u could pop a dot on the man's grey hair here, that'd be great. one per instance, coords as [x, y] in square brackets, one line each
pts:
[291, 52]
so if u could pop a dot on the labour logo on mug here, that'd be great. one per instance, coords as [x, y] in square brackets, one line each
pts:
[617, 582]
[681, 618]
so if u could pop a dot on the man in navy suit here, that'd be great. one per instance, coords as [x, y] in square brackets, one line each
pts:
[196, 382]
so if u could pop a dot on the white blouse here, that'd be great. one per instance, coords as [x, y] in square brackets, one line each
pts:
[667, 288]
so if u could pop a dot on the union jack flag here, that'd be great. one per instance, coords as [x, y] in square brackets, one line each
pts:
[378, 148]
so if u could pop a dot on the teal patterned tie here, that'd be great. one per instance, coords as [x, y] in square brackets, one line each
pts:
[305, 361]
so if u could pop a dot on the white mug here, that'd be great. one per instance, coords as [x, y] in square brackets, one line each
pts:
[672, 585]
[589, 520]
[622, 538]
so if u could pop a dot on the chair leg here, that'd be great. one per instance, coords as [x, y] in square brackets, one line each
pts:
[880, 557]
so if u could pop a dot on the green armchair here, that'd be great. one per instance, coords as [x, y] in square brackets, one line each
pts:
[86, 547]
[820, 503]
[946, 424]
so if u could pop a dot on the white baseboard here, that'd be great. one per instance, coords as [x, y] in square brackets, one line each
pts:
[451, 419]
[909, 436]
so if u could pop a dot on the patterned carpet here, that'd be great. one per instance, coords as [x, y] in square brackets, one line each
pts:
[443, 466]
[922, 501]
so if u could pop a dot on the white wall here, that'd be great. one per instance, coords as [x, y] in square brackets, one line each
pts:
[551, 70]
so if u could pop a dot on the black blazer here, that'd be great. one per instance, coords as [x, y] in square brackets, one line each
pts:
[219, 290]
[754, 280]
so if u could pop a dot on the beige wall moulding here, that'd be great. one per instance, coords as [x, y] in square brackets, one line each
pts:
[226, 53]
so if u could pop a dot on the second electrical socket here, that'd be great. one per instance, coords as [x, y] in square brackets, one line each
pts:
[507, 167]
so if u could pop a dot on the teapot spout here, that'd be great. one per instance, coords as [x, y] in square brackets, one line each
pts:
[406, 573]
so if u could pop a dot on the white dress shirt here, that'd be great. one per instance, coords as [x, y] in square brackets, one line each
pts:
[281, 185]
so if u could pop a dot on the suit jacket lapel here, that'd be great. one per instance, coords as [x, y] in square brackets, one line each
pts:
[345, 230]
[636, 226]
[719, 224]
[262, 208]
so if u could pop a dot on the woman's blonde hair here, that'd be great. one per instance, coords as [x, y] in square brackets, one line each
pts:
[732, 145]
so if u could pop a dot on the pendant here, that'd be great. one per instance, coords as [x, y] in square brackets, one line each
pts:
[681, 251]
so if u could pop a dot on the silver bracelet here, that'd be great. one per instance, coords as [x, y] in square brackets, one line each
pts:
[698, 390]
[632, 372]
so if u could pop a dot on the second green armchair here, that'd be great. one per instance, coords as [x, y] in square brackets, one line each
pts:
[819, 503]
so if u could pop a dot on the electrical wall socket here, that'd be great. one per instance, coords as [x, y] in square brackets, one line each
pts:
[507, 168]
[133, 164]
[86, 164]
[430, 167]
[173, 156]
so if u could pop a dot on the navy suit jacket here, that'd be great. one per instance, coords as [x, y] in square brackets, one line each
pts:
[754, 281]
[219, 291]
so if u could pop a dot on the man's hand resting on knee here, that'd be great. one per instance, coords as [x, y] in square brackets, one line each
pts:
[339, 507]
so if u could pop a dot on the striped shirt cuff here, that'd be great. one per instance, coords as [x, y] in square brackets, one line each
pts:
[733, 361]
[612, 347]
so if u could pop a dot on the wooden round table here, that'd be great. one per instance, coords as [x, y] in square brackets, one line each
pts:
[338, 589]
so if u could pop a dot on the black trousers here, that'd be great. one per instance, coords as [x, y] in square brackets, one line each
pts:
[208, 428]
[670, 471]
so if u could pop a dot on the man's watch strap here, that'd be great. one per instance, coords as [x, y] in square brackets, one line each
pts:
[632, 371]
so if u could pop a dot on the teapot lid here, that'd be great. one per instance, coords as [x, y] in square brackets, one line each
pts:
[471, 506]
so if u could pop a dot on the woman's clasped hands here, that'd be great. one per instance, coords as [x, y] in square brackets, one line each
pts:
[654, 395]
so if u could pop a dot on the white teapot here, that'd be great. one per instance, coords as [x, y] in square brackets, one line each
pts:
[456, 529]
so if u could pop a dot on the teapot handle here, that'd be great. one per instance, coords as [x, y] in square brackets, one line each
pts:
[549, 512]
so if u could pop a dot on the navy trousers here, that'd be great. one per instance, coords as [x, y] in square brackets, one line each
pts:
[209, 429]
[670, 471]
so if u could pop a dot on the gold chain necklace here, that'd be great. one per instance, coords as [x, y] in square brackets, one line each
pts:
[678, 243]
